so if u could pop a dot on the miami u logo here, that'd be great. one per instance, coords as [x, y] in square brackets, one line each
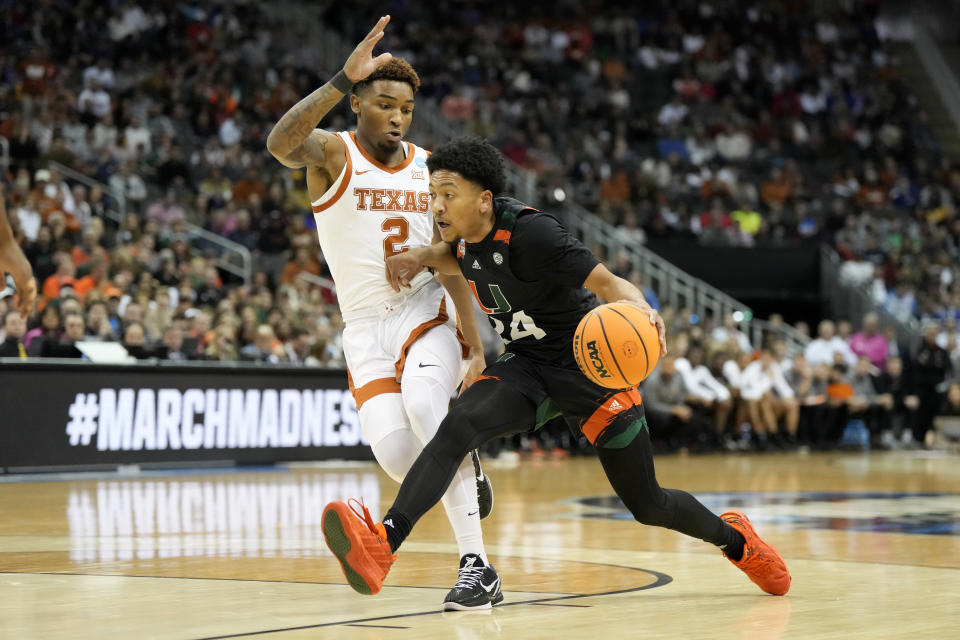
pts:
[503, 305]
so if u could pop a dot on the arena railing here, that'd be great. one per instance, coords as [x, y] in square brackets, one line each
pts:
[675, 286]
[234, 258]
[319, 281]
[937, 67]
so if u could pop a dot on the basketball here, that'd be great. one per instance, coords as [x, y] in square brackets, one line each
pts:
[616, 345]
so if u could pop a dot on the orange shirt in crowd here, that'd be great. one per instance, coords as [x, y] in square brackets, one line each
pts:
[775, 192]
[292, 270]
[86, 284]
[51, 286]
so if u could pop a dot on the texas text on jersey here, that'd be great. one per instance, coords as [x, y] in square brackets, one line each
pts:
[527, 275]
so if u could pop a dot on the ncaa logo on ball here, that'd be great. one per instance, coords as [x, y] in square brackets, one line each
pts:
[497, 257]
[630, 348]
[595, 360]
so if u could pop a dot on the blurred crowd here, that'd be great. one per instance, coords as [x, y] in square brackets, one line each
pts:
[167, 104]
[739, 123]
[715, 391]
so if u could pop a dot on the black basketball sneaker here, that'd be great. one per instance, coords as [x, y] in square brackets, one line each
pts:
[478, 586]
[484, 488]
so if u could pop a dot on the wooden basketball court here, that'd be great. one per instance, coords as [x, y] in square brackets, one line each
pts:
[872, 541]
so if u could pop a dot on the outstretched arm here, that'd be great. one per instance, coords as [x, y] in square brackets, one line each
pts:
[16, 264]
[294, 140]
[615, 289]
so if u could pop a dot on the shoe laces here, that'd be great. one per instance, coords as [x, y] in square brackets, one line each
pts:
[365, 515]
[378, 547]
[468, 577]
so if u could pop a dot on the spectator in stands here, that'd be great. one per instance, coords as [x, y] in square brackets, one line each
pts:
[901, 302]
[30, 219]
[951, 401]
[13, 331]
[879, 406]
[729, 333]
[65, 347]
[95, 280]
[274, 243]
[135, 341]
[93, 104]
[64, 274]
[130, 184]
[895, 383]
[243, 232]
[665, 395]
[870, 342]
[297, 347]
[844, 400]
[49, 328]
[810, 391]
[703, 389]
[166, 212]
[828, 348]
[250, 185]
[223, 345]
[303, 262]
[770, 398]
[173, 344]
[265, 346]
[931, 367]
[98, 321]
[776, 190]
[210, 292]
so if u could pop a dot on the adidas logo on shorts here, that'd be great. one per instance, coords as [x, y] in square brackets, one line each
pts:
[476, 264]
[388, 522]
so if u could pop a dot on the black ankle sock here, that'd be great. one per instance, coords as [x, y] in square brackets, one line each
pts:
[732, 542]
[398, 528]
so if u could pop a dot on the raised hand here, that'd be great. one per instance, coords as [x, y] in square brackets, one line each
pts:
[361, 62]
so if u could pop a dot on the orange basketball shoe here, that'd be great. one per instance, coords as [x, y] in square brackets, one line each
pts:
[760, 561]
[360, 545]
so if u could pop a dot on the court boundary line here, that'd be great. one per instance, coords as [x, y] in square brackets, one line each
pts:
[662, 579]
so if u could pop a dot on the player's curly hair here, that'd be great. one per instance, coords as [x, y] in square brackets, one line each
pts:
[394, 69]
[473, 158]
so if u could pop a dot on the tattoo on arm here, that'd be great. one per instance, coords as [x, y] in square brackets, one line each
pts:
[296, 125]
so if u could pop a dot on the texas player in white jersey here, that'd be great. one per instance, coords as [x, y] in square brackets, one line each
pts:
[369, 190]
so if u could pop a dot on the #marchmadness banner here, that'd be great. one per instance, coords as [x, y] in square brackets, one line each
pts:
[87, 415]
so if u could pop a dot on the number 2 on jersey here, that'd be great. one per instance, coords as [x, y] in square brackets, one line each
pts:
[393, 243]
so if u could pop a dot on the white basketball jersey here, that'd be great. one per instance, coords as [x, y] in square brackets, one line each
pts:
[370, 212]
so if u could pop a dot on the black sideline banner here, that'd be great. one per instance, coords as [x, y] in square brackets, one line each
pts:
[81, 415]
